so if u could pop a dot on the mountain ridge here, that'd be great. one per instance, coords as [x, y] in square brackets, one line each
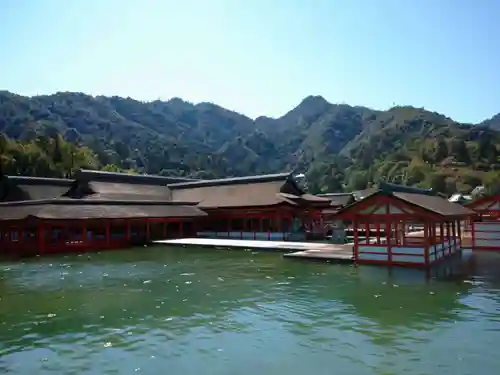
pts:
[339, 146]
[495, 116]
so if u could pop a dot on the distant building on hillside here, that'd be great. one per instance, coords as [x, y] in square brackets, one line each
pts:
[478, 191]
[460, 198]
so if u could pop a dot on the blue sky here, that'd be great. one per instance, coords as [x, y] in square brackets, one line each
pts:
[259, 57]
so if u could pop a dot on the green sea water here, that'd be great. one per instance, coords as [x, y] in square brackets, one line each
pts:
[189, 311]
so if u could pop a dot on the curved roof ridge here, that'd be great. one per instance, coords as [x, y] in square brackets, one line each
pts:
[232, 181]
[104, 176]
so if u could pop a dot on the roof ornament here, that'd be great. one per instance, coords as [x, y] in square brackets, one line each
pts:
[301, 181]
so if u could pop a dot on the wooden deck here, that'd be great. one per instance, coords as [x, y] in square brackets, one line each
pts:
[334, 253]
[302, 250]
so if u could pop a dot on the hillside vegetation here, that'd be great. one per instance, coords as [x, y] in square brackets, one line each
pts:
[340, 147]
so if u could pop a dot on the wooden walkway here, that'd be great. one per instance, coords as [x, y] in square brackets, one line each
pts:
[301, 250]
[333, 253]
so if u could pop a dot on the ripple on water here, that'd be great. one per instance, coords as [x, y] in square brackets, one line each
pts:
[237, 312]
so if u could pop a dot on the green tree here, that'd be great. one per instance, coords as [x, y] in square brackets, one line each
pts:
[491, 183]
[416, 173]
[440, 151]
[111, 168]
[459, 150]
[486, 149]
[437, 182]
[57, 155]
[35, 157]
[471, 180]
[357, 181]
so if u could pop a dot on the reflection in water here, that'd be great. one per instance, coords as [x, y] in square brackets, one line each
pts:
[188, 311]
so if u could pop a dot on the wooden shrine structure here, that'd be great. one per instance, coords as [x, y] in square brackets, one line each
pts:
[96, 211]
[76, 225]
[268, 207]
[411, 229]
[485, 228]
[104, 210]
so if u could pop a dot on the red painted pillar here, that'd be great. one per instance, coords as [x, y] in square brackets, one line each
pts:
[388, 233]
[426, 245]
[280, 226]
[441, 234]
[148, 230]
[269, 227]
[459, 234]
[254, 230]
[367, 231]
[430, 241]
[243, 222]
[129, 235]
[435, 238]
[405, 232]
[448, 235]
[165, 229]
[356, 242]
[181, 231]
[51, 234]
[260, 225]
[405, 228]
[454, 234]
[108, 234]
[41, 238]
[288, 225]
[84, 233]
[63, 236]
[473, 233]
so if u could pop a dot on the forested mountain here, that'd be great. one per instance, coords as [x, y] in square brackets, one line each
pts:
[493, 122]
[338, 146]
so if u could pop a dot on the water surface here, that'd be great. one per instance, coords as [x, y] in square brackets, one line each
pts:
[191, 311]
